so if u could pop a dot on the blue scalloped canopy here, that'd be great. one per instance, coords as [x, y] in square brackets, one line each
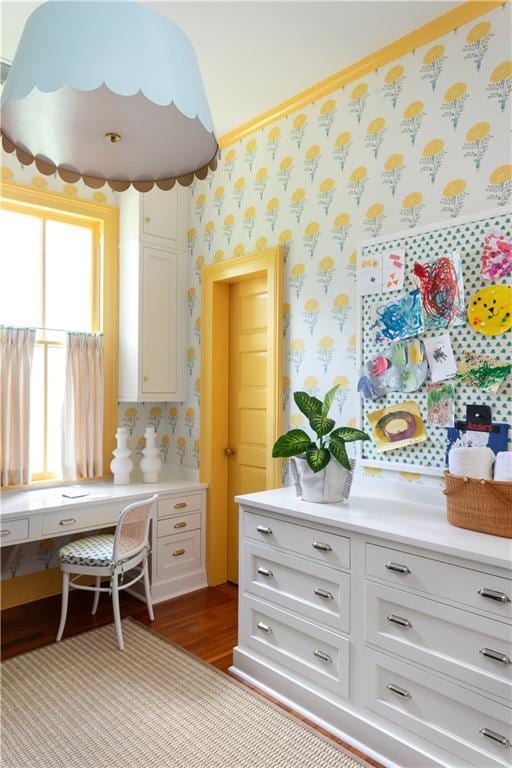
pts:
[124, 45]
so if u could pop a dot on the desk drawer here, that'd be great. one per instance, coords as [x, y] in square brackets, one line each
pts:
[315, 656]
[325, 548]
[12, 531]
[452, 582]
[175, 555]
[181, 524]
[178, 505]
[446, 639]
[314, 591]
[81, 518]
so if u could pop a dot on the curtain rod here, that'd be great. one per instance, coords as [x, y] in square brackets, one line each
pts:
[53, 330]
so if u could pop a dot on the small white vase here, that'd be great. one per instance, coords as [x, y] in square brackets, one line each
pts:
[121, 465]
[330, 485]
[151, 463]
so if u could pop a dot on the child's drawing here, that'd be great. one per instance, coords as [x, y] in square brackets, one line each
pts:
[442, 290]
[399, 319]
[441, 404]
[440, 357]
[482, 371]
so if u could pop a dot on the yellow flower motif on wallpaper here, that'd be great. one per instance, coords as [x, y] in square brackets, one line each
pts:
[432, 158]
[218, 255]
[433, 62]
[311, 314]
[285, 239]
[340, 229]
[454, 101]
[197, 390]
[325, 272]
[311, 385]
[326, 194]
[238, 190]
[393, 83]
[284, 171]
[412, 206]
[99, 197]
[191, 239]
[312, 160]
[218, 199]
[477, 142]
[261, 243]
[200, 205]
[38, 182]
[70, 190]
[250, 152]
[342, 147]
[287, 315]
[372, 471]
[410, 477]
[351, 347]
[375, 134]
[273, 138]
[500, 184]
[311, 235]
[340, 398]
[227, 228]
[393, 170]
[358, 99]
[191, 299]
[299, 126]
[297, 277]
[454, 195]
[272, 211]
[296, 354]
[190, 419]
[326, 117]
[197, 329]
[352, 264]
[260, 182]
[196, 451]
[181, 448]
[239, 250]
[325, 351]
[374, 219]
[6, 174]
[198, 267]
[130, 419]
[191, 359]
[208, 234]
[296, 420]
[358, 180]
[500, 83]
[155, 417]
[340, 309]
[477, 43]
[298, 201]
[249, 220]
[286, 391]
[413, 119]
[229, 162]
[46, 549]
[172, 418]
[164, 447]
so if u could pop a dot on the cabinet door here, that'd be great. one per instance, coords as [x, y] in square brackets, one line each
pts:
[164, 214]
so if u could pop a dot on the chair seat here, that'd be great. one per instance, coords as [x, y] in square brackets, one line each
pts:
[92, 551]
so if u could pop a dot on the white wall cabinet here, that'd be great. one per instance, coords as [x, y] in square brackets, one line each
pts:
[152, 316]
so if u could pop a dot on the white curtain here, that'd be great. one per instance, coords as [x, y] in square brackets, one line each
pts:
[82, 415]
[16, 353]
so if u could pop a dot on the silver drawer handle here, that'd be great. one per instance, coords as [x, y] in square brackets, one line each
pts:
[265, 572]
[5, 532]
[397, 567]
[323, 656]
[491, 594]
[496, 655]
[400, 691]
[399, 620]
[264, 627]
[264, 529]
[68, 521]
[322, 547]
[495, 737]
[323, 593]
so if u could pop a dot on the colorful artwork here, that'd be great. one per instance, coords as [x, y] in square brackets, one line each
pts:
[496, 255]
[482, 371]
[382, 272]
[403, 369]
[399, 319]
[490, 310]
[442, 290]
[440, 357]
[397, 426]
[441, 404]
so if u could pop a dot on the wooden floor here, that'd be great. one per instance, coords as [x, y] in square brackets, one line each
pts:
[203, 622]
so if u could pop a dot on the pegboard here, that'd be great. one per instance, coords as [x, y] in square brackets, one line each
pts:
[467, 236]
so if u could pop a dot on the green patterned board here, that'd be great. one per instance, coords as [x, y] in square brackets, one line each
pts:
[467, 237]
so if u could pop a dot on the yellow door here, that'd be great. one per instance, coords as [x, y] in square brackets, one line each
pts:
[248, 401]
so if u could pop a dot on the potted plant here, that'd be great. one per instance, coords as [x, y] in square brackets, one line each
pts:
[320, 478]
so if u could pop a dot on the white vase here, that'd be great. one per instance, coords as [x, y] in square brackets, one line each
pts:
[151, 463]
[121, 465]
[330, 485]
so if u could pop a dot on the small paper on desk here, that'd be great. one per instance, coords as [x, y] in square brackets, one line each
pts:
[75, 493]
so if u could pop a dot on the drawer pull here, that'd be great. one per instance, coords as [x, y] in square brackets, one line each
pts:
[491, 594]
[323, 656]
[264, 627]
[496, 655]
[323, 593]
[400, 691]
[397, 568]
[180, 505]
[264, 529]
[178, 552]
[322, 547]
[5, 532]
[265, 572]
[495, 737]
[399, 620]
[181, 524]
[67, 521]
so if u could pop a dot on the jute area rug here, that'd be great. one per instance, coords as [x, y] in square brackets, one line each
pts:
[82, 703]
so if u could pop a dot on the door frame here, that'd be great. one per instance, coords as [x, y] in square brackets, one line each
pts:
[215, 282]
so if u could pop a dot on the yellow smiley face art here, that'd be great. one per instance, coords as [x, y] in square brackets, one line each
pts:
[490, 310]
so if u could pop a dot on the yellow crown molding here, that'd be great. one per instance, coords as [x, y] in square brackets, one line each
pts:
[464, 13]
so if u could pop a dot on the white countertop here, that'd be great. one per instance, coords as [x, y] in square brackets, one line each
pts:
[419, 521]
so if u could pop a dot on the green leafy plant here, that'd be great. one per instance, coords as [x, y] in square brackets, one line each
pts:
[330, 441]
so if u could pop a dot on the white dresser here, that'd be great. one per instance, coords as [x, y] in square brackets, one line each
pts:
[381, 622]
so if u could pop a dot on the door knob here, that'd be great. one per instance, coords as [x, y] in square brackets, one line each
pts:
[229, 452]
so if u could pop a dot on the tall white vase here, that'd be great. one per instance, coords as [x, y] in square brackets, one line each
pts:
[151, 463]
[121, 465]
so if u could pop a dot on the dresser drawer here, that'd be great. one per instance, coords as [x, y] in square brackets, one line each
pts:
[178, 505]
[326, 548]
[315, 656]
[471, 648]
[12, 531]
[486, 593]
[70, 519]
[314, 591]
[439, 710]
[178, 524]
[175, 555]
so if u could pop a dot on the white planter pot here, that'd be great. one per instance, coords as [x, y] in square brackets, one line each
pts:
[327, 486]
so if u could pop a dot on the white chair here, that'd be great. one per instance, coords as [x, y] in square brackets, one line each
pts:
[110, 555]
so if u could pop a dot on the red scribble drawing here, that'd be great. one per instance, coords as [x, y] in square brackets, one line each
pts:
[441, 290]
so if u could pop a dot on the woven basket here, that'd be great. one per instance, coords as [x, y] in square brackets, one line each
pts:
[479, 505]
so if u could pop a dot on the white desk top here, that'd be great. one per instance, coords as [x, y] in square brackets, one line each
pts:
[391, 516]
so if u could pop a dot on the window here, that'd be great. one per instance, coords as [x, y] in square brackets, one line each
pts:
[56, 276]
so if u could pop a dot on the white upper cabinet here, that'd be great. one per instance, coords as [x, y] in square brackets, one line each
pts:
[163, 216]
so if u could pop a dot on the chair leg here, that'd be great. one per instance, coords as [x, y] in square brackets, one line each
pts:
[117, 613]
[147, 590]
[64, 607]
[96, 595]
